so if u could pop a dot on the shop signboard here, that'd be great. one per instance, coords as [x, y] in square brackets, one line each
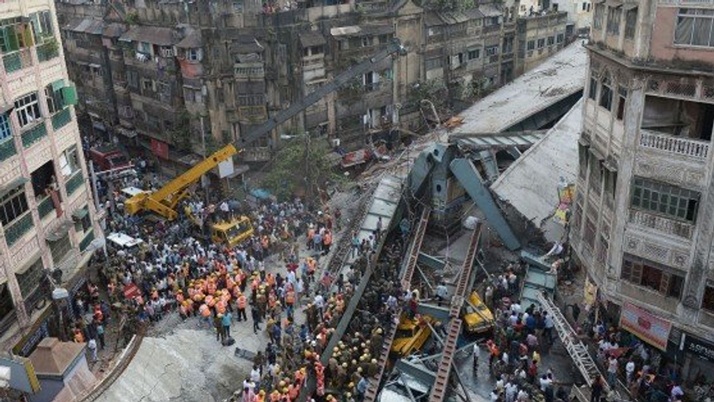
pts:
[698, 347]
[160, 148]
[645, 325]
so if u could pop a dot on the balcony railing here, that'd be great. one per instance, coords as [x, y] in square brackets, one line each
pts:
[17, 61]
[48, 51]
[86, 241]
[17, 229]
[45, 207]
[74, 182]
[61, 119]
[34, 135]
[7, 149]
[661, 224]
[674, 145]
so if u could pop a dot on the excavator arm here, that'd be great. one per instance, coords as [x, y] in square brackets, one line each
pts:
[164, 201]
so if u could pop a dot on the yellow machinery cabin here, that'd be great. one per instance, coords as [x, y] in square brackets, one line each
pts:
[411, 334]
[477, 317]
[233, 232]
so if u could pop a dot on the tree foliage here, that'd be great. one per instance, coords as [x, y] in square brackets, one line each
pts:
[300, 168]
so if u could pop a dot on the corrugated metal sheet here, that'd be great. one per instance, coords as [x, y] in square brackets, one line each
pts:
[156, 35]
[86, 25]
[489, 10]
[192, 40]
[114, 30]
[308, 39]
[385, 201]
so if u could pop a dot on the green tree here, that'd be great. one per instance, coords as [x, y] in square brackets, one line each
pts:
[301, 166]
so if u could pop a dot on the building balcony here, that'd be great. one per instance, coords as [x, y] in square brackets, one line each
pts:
[45, 207]
[74, 182]
[61, 119]
[33, 135]
[47, 51]
[7, 149]
[674, 145]
[661, 224]
[17, 229]
[249, 71]
[18, 60]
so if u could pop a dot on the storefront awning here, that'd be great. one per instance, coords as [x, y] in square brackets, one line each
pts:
[59, 232]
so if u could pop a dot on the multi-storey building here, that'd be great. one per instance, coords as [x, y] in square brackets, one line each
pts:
[163, 72]
[47, 216]
[643, 222]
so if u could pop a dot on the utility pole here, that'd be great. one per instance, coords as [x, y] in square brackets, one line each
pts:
[308, 178]
[203, 149]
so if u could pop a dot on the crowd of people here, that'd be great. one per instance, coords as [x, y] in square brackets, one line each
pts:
[263, 280]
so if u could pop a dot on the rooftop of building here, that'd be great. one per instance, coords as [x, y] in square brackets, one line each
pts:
[530, 184]
[556, 78]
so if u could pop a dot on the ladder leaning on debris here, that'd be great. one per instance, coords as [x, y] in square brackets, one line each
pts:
[406, 281]
[575, 347]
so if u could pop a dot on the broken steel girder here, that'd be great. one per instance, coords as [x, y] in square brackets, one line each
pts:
[473, 183]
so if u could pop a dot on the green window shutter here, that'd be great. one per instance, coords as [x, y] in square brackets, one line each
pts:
[9, 33]
[26, 30]
[69, 95]
[57, 85]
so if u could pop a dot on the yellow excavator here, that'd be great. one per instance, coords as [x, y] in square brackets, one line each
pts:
[164, 201]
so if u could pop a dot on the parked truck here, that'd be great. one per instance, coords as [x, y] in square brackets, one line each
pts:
[108, 158]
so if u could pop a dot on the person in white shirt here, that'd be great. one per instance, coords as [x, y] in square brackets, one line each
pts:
[441, 293]
[630, 371]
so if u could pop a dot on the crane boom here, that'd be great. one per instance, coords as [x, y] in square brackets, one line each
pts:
[341, 79]
[165, 200]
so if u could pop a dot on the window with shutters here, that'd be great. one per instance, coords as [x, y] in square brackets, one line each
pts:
[664, 199]
[598, 16]
[15, 35]
[5, 130]
[606, 93]
[614, 14]
[29, 279]
[589, 233]
[664, 280]
[630, 23]
[621, 101]
[69, 161]
[42, 26]
[592, 89]
[708, 299]
[27, 109]
[13, 205]
[695, 27]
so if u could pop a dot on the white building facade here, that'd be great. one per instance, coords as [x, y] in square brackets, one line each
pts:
[643, 221]
[47, 217]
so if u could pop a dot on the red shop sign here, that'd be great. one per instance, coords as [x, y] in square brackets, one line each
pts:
[645, 325]
[160, 149]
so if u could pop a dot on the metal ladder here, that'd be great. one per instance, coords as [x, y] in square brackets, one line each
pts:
[575, 347]
[371, 394]
[441, 383]
[414, 248]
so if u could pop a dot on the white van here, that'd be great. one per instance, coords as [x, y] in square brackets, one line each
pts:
[124, 241]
